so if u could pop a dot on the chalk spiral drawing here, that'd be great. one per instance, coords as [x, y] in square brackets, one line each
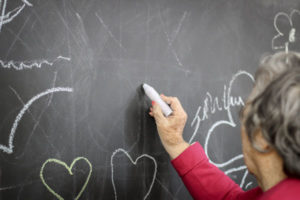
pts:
[53, 160]
[9, 149]
[7, 17]
[30, 64]
[291, 33]
[133, 162]
[211, 105]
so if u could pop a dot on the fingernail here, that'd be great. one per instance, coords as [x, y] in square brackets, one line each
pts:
[153, 102]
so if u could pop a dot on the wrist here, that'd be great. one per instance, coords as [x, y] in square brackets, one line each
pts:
[176, 150]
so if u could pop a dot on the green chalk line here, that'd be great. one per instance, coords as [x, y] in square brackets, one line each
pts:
[53, 160]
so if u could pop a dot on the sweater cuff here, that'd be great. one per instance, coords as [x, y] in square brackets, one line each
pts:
[188, 159]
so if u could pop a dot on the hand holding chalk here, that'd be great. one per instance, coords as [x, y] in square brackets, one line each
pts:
[154, 96]
[170, 129]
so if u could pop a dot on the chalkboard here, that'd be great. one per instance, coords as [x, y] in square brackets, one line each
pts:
[74, 121]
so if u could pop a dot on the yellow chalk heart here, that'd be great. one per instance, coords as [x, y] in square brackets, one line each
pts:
[52, 160]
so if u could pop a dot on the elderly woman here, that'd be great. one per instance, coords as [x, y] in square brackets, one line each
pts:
[270, 132]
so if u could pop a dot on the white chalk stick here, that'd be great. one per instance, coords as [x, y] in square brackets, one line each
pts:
[154, 96]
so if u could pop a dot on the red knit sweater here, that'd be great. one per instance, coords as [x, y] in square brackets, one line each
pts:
[206, 182]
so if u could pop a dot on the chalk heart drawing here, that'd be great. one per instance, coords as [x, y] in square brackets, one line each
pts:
[8, 16]
[10, 147]
[285, 37]
[134, 163]
[53, 160]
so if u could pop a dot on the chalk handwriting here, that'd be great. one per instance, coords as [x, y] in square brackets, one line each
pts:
[7, 17]
[53, 160]
[30, 64]
[9, 149]
[133, 162]
[288, 35]
[211, 106]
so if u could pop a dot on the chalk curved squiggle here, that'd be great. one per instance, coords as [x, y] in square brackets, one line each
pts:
[9, 16]
[133, 162]
[9, 149]
[29, 65]
[243, 167]
[248, 185]
[53, 160]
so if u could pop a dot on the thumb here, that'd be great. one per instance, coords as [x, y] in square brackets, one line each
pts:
[157, 112]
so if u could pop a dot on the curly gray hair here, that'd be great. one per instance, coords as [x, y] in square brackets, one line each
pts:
[274, 108]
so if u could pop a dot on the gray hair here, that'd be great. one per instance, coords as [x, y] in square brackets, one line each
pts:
[274, 108]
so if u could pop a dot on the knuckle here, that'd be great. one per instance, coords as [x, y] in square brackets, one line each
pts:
[183, 116]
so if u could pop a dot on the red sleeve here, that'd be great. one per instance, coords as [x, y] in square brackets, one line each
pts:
[203, 179]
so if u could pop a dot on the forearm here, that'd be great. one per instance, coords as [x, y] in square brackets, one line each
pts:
[202, 179]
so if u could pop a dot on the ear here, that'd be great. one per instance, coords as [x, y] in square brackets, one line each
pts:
[261, 142]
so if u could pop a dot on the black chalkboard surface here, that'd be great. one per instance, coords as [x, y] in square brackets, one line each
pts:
[74, 122]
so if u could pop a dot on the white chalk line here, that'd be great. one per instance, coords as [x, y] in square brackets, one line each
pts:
[243, 167]
[178, 27]
[27, 3]
[2, 13]
[165, 188]
[236, 169]
[30, 64]
[9, 16]
[120, 150]
[21, 185]
[9, 149]
[109, 32]
[244, 178]
[248, 185]
[291, 36]
[36, 120]
[170, 45]
[53, 86]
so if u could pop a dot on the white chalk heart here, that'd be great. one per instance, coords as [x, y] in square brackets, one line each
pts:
[134, 163]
